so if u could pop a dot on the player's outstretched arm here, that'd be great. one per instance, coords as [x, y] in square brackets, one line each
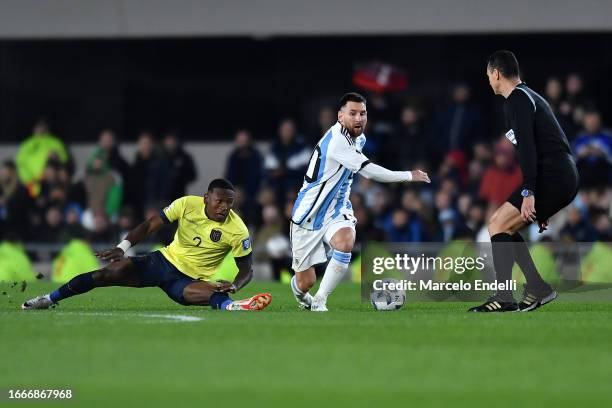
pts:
[135, 236]
[378, 173]
[244, 276]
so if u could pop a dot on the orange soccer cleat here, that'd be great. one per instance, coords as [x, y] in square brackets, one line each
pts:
[257, 302]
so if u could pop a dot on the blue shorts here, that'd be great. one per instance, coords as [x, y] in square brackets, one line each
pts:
[155, 270]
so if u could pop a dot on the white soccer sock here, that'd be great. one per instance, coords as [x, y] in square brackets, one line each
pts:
[333, 273]
[303, 297]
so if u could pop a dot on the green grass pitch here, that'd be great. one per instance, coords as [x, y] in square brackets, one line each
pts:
[118, 347]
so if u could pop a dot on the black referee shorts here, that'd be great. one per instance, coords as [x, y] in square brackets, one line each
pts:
[556, 186]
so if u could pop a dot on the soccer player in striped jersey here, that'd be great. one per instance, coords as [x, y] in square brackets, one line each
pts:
[322, 214]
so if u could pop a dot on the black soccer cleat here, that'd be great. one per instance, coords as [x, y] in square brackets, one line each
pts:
[493, 305]
[531, 301]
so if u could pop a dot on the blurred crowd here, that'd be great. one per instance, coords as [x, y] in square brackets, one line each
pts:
[42, 202]
[472, 174]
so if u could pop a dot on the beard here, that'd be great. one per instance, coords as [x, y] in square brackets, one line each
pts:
[355, 132]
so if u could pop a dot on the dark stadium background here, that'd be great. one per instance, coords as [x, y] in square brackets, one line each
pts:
[207, 68]
[207, 88]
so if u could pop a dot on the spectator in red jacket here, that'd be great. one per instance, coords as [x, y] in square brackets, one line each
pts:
[502, 177]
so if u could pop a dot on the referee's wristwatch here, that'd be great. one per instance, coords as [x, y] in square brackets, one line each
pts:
[527, 193]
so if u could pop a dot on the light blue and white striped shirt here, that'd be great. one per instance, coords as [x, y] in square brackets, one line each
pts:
[324, 196]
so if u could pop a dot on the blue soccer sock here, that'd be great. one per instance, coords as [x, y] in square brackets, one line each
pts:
[76, 286]
[219, 301]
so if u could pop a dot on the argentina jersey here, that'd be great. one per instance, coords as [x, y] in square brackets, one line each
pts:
[324, 196]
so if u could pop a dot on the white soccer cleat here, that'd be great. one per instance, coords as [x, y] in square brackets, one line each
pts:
[305, 302]
[318, 304]
[39, 302]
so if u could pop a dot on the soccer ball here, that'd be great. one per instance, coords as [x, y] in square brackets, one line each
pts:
[388, 299]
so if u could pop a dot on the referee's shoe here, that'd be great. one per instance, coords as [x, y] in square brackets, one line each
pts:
[494, 305]
[533, 300]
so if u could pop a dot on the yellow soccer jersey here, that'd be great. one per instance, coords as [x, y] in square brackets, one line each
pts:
[200, 244]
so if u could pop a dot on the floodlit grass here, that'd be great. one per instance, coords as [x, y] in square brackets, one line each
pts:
[120, 346]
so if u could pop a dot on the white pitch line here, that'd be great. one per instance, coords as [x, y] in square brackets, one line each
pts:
[181, 318]
[172, 317]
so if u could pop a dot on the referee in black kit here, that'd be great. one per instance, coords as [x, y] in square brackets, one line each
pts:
[550, 182]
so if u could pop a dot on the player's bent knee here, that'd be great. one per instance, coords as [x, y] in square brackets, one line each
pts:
[198, 298]
[498, 228]
[493, 229]
[343, 243]
[506, 219]
[496, 223]
[198, 293]
[343, 240]
[115, 273]
[344, 246]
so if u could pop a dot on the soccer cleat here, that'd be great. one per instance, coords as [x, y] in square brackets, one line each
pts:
[257, 302]
[492, 305]
[305, 302]
[39, 302]
[318, 304]
[531, 301]
[303, 305]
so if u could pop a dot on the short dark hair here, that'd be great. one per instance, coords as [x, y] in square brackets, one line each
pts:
[505, 62]
[350, 97]
[220, 183]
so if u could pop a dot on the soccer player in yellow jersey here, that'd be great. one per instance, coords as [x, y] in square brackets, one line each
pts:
[208, 229]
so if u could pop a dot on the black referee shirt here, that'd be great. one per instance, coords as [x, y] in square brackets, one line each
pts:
[534, 131]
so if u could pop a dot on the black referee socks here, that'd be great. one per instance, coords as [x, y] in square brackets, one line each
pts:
[503, 260]
[535, 283]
